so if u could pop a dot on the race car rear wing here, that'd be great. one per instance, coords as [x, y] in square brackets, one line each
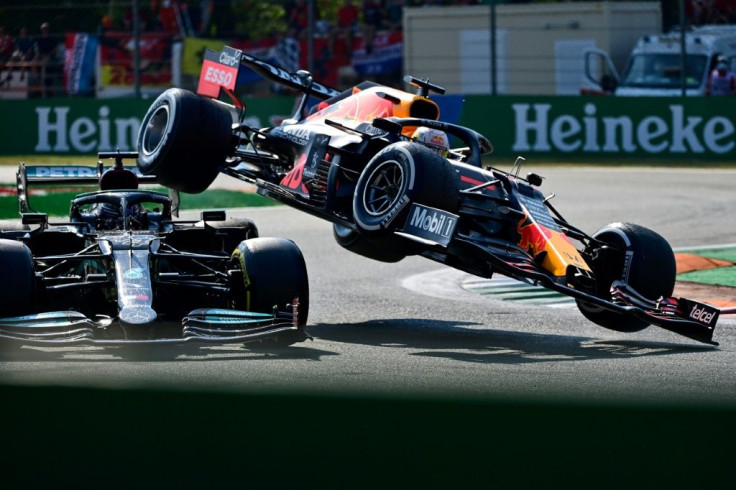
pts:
[220, 70]
[71, 175]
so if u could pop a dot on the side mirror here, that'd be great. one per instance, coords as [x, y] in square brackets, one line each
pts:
[214, 215]
[41, 219]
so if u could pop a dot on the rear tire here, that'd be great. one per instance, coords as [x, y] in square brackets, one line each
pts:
[274, 273]
[16, 291]
[184, 140]
[401, 173]
[651, 271]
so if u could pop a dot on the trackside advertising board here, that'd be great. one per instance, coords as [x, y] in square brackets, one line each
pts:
[81, 126]
[606, 127]
[548, 127]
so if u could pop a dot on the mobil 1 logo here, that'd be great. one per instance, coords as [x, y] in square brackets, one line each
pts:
[430, 224]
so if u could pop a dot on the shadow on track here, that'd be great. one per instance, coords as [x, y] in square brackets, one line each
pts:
[460, 341]
[163, 353]
[454, 340]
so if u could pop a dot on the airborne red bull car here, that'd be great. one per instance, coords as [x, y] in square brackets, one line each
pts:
[396, 181]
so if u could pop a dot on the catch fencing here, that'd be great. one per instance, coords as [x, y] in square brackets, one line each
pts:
[101, 48]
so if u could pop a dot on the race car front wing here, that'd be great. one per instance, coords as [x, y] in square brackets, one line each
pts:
[683, 316]
[201, 325]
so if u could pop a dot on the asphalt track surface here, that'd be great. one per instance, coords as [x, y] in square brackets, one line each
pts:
[411, 331]
[411, 328]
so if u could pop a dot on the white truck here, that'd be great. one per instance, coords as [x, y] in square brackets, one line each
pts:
[654, 67]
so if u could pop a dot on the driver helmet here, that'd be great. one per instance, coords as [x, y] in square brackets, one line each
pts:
[722, 67]
[433, 138]
[108, 216]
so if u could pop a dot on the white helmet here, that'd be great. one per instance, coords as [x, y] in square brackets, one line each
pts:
[433, 138]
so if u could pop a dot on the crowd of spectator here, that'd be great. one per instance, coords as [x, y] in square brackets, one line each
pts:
[40, 58]
[344, 19]
[42, 48]
[343, 25]
[354, 18]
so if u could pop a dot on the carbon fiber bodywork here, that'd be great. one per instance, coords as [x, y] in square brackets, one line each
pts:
[352, 159]
[122, 270]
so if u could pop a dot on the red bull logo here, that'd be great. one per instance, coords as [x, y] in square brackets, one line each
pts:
[435, 139]
[371, 103]
[363, 106]
[561, 253]
[534, 238]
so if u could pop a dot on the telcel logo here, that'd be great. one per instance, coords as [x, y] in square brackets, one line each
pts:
[702, 315]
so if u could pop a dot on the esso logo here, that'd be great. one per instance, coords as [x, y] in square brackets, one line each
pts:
[220, 77]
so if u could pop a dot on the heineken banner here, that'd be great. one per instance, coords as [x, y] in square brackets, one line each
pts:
[560, 128]
[87, 126]
[606, 127]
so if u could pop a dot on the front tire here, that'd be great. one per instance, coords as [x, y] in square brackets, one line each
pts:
[184, 140]
[16, 291]
[274, 274]
[401, 173]
[639, 257]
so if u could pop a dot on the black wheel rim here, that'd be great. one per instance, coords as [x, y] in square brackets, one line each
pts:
[384, 188]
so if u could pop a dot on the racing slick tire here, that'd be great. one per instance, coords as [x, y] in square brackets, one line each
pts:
[388, 248]
[639, 257]
[274, 273]
[16, 292]
[399, 174]
[184, 139]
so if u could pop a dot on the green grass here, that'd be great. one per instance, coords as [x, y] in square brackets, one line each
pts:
[503, 162]
[57, 203]
[723, 276]
[718, 253]
[50, 159]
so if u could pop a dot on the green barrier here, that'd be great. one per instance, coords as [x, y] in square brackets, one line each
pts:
[606, 127]
[81, 126]
[564, 128]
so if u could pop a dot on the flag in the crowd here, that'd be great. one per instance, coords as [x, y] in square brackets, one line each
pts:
[384, 57]
[79, 65]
